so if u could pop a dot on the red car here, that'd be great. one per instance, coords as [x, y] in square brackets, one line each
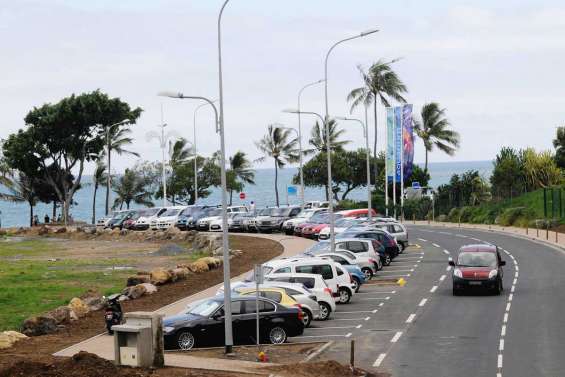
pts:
[478, 266]
[320, 218]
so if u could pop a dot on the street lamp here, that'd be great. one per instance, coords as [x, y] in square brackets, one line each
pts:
[195, 154]
[366, 133]
[108, 176]
[163, 139]
[300, 139]
[327, 127]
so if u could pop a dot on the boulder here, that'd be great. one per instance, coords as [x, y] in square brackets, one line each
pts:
[43, 230]
[61, 230]
[160, 276]
[134, 292]
[149, 288]
[180, 273]
[198, 266]
[138, 279]
[124, 232]
[8, 338]
[40, 325]
[62, 314]
[211, 262]
[90, 230]
[79, 307]
[95, 303]
[115, 232]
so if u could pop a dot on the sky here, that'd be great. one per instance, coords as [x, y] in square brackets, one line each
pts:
[496, 67]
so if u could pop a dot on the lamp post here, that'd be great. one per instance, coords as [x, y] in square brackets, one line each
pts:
[163, 139]
[108, 176]
[195, 153]
[300, 140]
[327, 128]
[225, 241]
[366, 134]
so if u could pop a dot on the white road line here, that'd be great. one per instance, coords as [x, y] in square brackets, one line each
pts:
[501, 345]
[433, 289]
[436, 245]
[503, 331]
[460, 236]
[355, 312]
[332, 328]
[442, 278]
[513, 288]
[516, 274]
[381, 304]
[505, 320]
[423, 240]
[348, 335]
[358, 326]
[499, 362]
[515, 281]
[475, 239]
[511, 296]
[411, 318]
[423, 302]
[446, 251]
[508, 306]
[379, 360]
[499, 375]
[367, 318]
[516, 267]
[374, 311]
[396, 337]
[507, 252]
[320, 336]
[448, 268]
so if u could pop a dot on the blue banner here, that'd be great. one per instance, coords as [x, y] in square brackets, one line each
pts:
[407, 140]
[390, 143]
[397, 142]
[291, 190]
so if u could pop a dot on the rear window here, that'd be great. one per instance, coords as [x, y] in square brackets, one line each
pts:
[307, 282]
[266, 306]
[275, 296]
[357, 246]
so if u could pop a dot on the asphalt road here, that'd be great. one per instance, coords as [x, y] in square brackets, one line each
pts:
[423, 330]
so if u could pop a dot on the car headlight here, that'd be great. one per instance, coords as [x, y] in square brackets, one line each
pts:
[457, 272]
[492, 274]
[168, 329]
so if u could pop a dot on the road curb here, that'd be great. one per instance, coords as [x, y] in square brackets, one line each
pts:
[318, 352]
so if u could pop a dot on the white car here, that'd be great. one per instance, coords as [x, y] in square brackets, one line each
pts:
[344, 280]
[301, 218]
[237, 209]
[340, 226]
[167, 219]
[204, 223]
[216, 224]
[146, 216]
[369, 266]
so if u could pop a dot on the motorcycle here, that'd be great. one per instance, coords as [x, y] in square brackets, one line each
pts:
[113, 314]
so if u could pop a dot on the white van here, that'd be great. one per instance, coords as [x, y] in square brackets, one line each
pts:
[146, 216]
[168, 219]
[324, 267]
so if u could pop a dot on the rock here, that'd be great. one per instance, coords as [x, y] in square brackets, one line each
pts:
[123, 298]
[160, 276]
[90, 230]
[149, 288]
[124, 232]
[137, 279]
[8, 338]
[79, 307]
[61, 230]
[198, 267]
[134, 292]
[79, 229]
[40, 325]
[211, 262]
[115, 232]
[62, 314]
[95, 303]
[43, 230]
[173, 231]
[180, 273]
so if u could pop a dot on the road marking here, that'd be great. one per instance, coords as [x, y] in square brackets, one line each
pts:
[374, 311]
[411, 318]
[475, 239]
[367, 318]
[507, 252]
[508, 306]
[448, 268]
[433, 289]
[423, 240]
[501, 345]
[396, 337]
[516, 267]
[393, 271]
[460, 236]
[332, 328]
[423, 302]
[503, 331]
[355, 312]
[447, 233]
[505, 320]
[379, 360]
[418, 261]
[442, 278]
[511, 296]
[348, 335]
[499, 363]
[446, 251]
[348, 319]
[516, 274]
[320, 336]
[381, 304]
[374, 298]
[499, 375]
[515, 281]
[358, 326]
[513, 288]
[436, 245]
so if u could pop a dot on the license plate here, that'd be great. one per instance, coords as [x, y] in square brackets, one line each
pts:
[109, 316]
[475, 283]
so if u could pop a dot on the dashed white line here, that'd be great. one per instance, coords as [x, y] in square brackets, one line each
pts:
[348, 335]
[508, 306]
[358, 326]
[503, 331]
[423, 302]
[501, 345]
[396, 337]
[499, 362]
[367, 318]
[507, 252]
[515, 281]
[411, 318]
[442, 278]
[375, 310]
[433, 289]
[513, 288]
[379, 360]
[448, 268]
[446, 252]
[381, 304]
[423, 240]
[505, 320]
[435, 244]
[511, 296]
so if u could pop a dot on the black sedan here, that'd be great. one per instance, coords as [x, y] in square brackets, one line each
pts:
[384, 238]
[203, 325]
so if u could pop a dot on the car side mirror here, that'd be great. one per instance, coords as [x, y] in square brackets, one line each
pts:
[451, 263]
[502, 263]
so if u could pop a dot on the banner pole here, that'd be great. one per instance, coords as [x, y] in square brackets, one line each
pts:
[394, 157]
[386, 168]
[401, 141]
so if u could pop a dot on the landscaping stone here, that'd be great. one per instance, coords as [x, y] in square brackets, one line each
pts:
[160, 276]
[149, 288]
[79, 307]
[198, 267]
[212, 262]
[138, 279]
[40, 325]
[134, 292]
[95, 303]
[62, 314]
[61, 230]
[8, 338]
[43, 230]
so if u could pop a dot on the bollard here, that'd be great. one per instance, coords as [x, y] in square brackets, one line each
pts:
[537, 230]
[547, 232]
[352, 355]
[556, 237]
[527, 230]
[414, 219]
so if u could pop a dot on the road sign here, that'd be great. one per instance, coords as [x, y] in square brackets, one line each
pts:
[258, 273]
[416, 185]
[241, 195]
[291, 190]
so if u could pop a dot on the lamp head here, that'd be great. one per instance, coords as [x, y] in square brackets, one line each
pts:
[291, 111]
[367, 32]
[170, 94]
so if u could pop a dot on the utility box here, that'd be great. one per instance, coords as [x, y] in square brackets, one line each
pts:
[139, 342]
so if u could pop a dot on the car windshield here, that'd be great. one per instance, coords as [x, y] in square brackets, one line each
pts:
[171, 212]
[346, 222]
[476, 259]
[205, 308]
[190, 211]
[149, 212]
[319, 246]
[307, 213]
[119, 216]
[213, 212]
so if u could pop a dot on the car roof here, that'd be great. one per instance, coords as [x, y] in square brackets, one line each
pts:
[295, 275]
[481, 247]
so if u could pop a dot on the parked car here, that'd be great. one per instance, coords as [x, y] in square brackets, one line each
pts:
[305, 229]
[238, 221]
[314, 283]
[365, 248]
[207, 216]
[398, 231]
[129, 223]
[104, 221]
[275, 218]
[313, 230]
[237, 209]
[383, 237]
[203, 324]
[301, 218]
[148, 215]
[186, 217]
[118, 219]
[215, 225]
[341, 225]
[345, 281]
[167, 219]
[250, 223]
[478, 266]
[367, 265]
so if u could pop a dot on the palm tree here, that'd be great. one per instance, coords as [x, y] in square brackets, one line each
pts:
[276, 144]
[180, 153]
[131, 188]
[21, 189]
[382, 84]
[99, 179]
[241, 171]
[434, 131]
[116, 140]
[319, 141]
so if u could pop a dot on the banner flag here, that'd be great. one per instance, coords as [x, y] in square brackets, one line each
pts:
[397, 142]
[408, 140]
[291, 190]
[390, 143]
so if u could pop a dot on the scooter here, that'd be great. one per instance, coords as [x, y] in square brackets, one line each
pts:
[113, 314]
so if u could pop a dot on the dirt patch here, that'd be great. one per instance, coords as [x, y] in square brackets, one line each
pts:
[278, 354]
[321, 368]
[254, 250]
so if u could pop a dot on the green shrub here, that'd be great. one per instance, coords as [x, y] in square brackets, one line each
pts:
[518, 216]
[453, 215]
[441, 218]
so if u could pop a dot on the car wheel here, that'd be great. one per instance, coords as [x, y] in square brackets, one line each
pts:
[356, 284]
[455, 291]
[344, 296]
[387, 260]
[368, 273]
[306, 317]
[325, 311]
[277, 335]
[402, 247]
[498, 289]
[185, 340]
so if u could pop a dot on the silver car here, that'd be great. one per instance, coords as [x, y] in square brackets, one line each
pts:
[398, 231]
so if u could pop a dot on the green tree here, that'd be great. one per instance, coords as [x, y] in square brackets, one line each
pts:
[380, 83]
[507, 177]
[21, 188]
[318, 139]
[180, 153]
[130, 187]
[559, 144]
[278, 145]
[240, 173]
[434, 131]
[98, 179]
[539, 169]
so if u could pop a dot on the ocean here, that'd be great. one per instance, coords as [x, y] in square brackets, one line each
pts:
[262, 193]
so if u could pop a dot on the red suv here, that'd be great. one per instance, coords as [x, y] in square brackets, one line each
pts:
[477, 266]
